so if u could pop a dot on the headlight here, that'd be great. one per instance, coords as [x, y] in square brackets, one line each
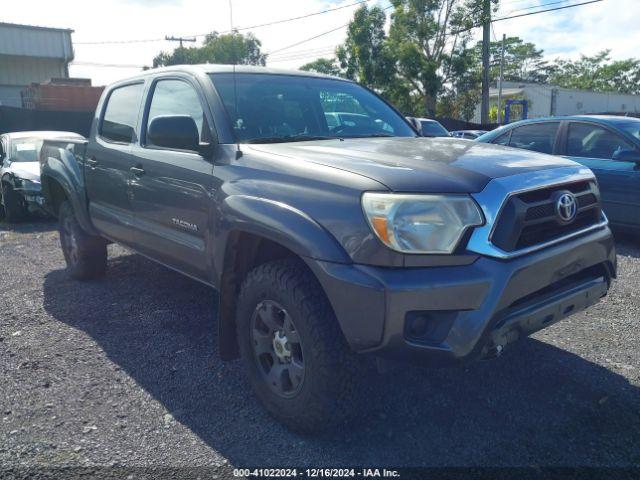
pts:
[412, 223]
[27, 184]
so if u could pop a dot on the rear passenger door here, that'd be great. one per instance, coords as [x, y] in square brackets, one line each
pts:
[594, 146]
[172, 188]
[108, 162]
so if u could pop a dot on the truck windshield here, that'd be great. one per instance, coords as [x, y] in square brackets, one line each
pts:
[266, 108]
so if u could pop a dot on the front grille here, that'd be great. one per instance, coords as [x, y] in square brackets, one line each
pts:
[529, 219]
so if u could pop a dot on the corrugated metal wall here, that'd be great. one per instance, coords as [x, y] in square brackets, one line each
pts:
[571, 102]
[31, 55]
[35, 42]
[26, 70]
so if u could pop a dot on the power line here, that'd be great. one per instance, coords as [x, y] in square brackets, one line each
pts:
[277, 22]
[531, 7]
[301, 56]
[304, 52]
[528, 14]
[268, 24]
[547, 10]
[317, 36]
[309, 39]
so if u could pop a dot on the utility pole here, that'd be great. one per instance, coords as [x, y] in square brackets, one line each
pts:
[486, 39]
[179, 39]
[504, 38]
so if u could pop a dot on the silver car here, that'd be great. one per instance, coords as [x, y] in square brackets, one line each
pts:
[20, 190]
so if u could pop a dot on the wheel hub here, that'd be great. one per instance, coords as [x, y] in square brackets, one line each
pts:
[277, 348]
[281, 346]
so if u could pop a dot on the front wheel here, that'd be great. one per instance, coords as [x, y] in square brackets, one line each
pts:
[297, 360]
[86, 255]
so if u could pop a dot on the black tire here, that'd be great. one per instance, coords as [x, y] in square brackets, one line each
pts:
[15, 209]
[323, 393]
[86, 255]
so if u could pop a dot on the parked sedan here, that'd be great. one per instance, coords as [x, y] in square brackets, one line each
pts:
[608, 145]
[468, 134]
[20, 191]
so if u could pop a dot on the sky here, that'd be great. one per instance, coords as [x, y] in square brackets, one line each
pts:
[609, 24]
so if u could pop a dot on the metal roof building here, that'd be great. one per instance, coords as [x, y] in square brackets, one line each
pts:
[549, 100]
[31, 54]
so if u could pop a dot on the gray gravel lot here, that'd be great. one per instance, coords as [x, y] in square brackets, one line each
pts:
[124, 371]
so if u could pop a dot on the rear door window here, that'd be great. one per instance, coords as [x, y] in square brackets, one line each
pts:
[539, 137]
[121, 114]
[591, 141]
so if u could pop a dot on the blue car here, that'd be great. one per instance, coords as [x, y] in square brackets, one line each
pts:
[608, 145]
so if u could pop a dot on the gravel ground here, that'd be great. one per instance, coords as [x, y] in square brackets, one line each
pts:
[124, 371]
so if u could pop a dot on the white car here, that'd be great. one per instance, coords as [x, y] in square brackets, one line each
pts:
[20, 190]
[468, 134]
[431, 128]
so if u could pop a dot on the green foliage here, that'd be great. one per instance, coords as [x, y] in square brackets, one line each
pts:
[230, 48]
[426, 65]
[323, 65]
[523, 62]
[364, 56]
[429, 39]
[597, 73]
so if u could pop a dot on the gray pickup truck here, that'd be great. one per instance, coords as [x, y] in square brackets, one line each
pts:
[327, 236]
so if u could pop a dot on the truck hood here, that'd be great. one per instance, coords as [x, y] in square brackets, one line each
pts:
[426, 165]
[25, 170]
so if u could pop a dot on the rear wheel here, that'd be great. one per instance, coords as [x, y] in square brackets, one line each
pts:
[15, 209]
[86, 255]
[297, 360]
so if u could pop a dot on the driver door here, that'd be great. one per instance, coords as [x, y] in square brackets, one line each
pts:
[171, 187]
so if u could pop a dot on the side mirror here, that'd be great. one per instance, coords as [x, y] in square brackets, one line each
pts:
[626, 156]
[415, 123]
[174, 131]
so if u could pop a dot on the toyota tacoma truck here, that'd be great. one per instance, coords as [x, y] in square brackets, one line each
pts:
[330, 238]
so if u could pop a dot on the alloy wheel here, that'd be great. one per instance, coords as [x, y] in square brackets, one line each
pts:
[277, 348]
[69, 241]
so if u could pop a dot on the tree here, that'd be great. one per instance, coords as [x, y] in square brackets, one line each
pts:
[229, 48]
[426, 36]
[364, 56]
[597, 73]
[462, 95]
[323, 65]
[523, 62]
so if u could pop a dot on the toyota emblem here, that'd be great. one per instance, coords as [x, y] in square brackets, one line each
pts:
[566, 207]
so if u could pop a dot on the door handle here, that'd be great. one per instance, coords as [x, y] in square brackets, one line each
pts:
[137, 171]
[91, 162]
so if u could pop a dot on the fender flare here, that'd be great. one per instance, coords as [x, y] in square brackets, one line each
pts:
[273, 221]
[282, 224]
[65, 170]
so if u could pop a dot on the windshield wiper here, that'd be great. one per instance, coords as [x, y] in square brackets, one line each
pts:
[290, 138]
